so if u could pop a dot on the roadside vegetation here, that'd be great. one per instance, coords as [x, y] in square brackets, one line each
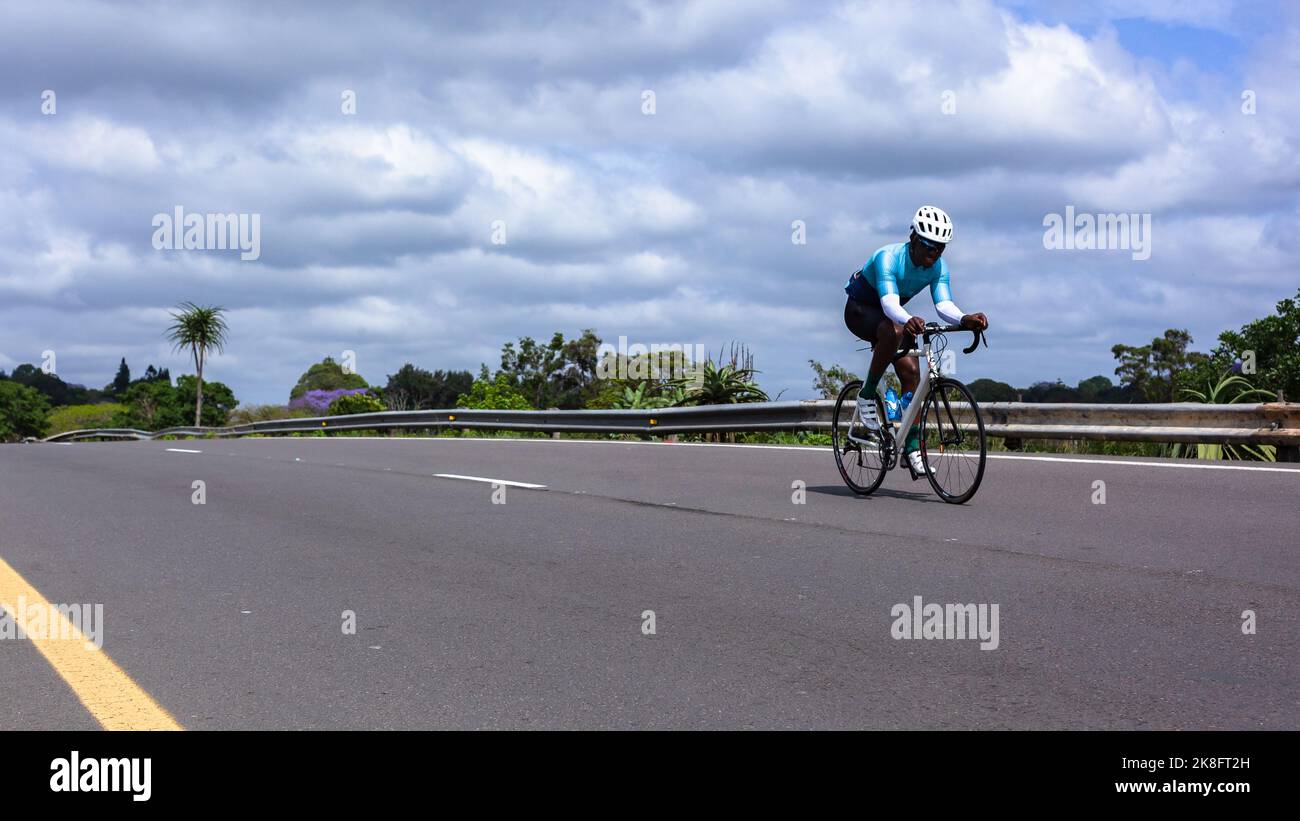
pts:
[1259, 362]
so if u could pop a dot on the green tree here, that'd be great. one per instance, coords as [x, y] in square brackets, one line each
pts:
[1153, 371]
[990, 390]
[201, 330]
[158, 405]
[1093, 388]
[560, 374]
[152, 374]
[1270, 344]
[1134, 368]
[52, 387]
[830, 381]
[218, 400]
[120, 382]
[413, 388]
[495, 394]
[326, 375]
[1056, 391]
[356, 403]
[647, 381]
[1169, 358]
[23, 412]
[150, 406]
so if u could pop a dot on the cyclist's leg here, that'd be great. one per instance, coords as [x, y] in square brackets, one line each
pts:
[890, 338]
[909, 376]
[868, 322]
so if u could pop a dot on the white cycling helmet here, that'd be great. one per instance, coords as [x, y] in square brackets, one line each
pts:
[932, 223]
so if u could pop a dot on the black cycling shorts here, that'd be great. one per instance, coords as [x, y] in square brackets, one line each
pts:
[863, 318]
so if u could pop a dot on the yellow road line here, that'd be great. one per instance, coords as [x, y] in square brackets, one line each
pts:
[116, 702]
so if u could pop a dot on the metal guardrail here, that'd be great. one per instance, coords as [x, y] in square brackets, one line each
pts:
[1275, 424]
[756, 416]
[96, 433]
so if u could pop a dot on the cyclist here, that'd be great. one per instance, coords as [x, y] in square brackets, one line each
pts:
[874, 311]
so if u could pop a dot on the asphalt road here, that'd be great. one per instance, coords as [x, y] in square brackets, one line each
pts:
[768, 613]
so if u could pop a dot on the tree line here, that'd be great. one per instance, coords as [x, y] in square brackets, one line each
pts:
[1258, 362]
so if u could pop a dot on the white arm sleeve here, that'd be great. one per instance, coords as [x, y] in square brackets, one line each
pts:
[949, 312]
[893, 308]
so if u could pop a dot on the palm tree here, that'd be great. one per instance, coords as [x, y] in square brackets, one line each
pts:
[201, 330]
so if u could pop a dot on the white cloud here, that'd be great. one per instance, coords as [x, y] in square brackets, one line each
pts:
[89, 144]
[671, 227]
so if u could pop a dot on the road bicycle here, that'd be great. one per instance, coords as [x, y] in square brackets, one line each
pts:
[953, 445]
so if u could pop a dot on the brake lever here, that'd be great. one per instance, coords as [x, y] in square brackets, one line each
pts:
[975, 343]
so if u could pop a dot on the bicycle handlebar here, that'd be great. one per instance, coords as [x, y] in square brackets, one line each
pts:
[935, 329]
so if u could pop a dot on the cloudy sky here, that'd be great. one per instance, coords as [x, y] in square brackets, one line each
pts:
[671, 226]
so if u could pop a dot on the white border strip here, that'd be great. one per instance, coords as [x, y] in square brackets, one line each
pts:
[818, 449]
[1169, 464]
[182, 450]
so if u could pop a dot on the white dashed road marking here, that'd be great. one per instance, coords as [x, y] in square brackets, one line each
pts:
[490, 481]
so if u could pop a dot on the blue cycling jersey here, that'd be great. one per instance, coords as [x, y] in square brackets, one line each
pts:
[890, 271]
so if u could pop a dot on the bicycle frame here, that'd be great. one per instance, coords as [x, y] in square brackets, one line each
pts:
[918, 396]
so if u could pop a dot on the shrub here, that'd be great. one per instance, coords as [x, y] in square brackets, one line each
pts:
[355, 403]
[23, 412]
[247, 414]
[499, 394]
[83, 417]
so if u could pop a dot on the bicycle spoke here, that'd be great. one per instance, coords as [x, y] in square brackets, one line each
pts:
[953, 441]
[857, 450]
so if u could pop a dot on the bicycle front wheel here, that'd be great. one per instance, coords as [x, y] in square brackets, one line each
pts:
[953, 445]
[858, 452]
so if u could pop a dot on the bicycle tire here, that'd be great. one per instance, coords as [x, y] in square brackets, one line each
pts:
[841, 421]
[932, 417]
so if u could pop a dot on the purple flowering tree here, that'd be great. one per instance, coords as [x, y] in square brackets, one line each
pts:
[319, 401]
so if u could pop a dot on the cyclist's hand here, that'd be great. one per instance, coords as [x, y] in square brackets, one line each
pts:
[975, 322]
[915, 325]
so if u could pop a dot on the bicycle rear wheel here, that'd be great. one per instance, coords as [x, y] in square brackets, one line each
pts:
[858, 452]
[953, 445]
